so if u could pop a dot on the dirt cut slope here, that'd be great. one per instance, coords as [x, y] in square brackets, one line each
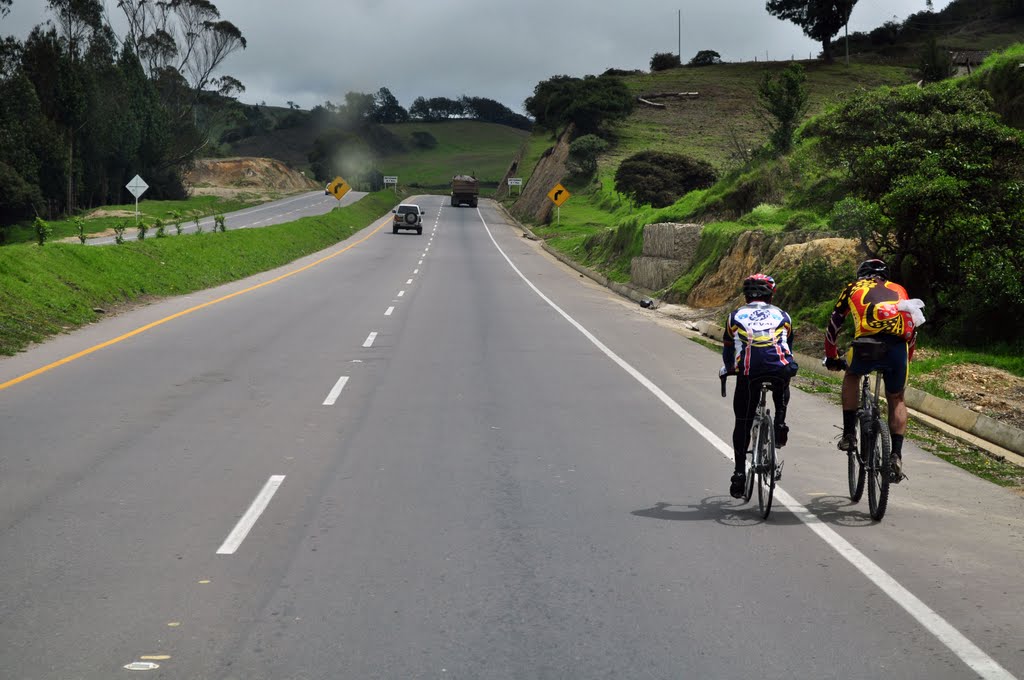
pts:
[229, 176]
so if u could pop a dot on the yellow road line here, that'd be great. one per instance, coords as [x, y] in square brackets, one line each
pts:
[142, 329]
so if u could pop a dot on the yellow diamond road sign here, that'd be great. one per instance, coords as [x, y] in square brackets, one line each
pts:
[338, 188]
[559, 195]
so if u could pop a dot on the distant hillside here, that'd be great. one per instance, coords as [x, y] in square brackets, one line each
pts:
[963, 25]
[421, 154]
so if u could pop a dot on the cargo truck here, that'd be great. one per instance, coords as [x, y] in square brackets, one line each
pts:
[465, 190]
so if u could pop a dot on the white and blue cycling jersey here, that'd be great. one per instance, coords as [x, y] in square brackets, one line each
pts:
[756, 340]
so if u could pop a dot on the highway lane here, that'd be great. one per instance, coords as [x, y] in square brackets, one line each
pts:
[274, 212]
[488, 495]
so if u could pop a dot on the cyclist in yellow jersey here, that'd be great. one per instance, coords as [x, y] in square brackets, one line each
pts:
[881, 310]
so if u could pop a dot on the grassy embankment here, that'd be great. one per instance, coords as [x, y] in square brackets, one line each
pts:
[44, 291]
[721, 126]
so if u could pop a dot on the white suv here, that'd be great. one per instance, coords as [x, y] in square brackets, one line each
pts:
[407, 216]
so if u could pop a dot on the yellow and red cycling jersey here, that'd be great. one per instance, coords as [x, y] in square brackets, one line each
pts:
[873, 303]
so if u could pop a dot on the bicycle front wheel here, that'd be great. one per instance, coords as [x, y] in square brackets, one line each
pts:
[855, 467]
[878, 470]
[766, 470]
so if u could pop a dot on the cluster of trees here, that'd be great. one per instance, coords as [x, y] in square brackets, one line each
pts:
[592, 104]
[933, 182]
[475, 108]
[383, 107]
[81, 113]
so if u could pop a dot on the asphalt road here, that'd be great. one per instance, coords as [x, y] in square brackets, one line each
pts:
[449, 456]
[263, 215]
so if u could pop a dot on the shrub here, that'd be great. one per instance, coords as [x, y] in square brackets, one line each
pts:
[782, 103]
[423, 140]
[812, 283]
[143, 228]
[706, 58]
[662, 61]
[660, 179]
[119, 230]
[159, 228]
[583, 153]
[220, 223]
[42, 230]
[80, 229]
[175, 216]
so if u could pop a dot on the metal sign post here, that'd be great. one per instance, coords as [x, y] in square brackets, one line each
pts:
[137, 186]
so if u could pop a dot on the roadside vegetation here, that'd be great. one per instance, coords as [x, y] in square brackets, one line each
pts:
[886, 166]
[104, 220]
[45, 291]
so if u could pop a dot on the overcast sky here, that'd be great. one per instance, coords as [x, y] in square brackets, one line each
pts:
[312, 51]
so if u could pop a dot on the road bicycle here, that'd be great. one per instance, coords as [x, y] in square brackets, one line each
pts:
[762, 459]
[872, 459]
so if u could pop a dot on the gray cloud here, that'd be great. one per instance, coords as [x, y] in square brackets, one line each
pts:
[311, 51]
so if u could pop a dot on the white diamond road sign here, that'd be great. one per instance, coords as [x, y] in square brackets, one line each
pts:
[137, 186]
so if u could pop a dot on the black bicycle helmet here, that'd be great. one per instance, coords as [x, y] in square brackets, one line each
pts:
[873, 268]
[758, 287]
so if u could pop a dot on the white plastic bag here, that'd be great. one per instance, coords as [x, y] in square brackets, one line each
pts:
[913, 307]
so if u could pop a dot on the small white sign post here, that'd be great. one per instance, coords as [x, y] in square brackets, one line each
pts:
[516, 182]
[391, 179]
[137, 186]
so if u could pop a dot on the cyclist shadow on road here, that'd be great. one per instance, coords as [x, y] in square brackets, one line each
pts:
[839, 510]
[722, 509]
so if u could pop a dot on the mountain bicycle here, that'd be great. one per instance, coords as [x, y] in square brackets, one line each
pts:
[762, 459]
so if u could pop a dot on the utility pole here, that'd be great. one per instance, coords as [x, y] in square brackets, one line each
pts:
[847, 41]
[680, 25]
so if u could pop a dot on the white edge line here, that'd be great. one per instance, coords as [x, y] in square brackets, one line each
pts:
[369, 339]
[389, 311]
[957, 642]
[336, 391]
[245, 524]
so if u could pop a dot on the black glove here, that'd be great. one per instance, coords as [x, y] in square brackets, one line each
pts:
[836, 364]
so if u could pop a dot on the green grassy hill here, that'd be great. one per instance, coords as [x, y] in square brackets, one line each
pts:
[722, 122]
[463, 147]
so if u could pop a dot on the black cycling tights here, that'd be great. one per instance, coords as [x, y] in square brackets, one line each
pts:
[744, 404]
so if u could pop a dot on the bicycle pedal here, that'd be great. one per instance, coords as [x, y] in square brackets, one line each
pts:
[778, 471]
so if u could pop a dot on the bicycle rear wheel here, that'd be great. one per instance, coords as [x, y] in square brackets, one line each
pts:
[855, 466]
[878, 470]
[766, 470]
